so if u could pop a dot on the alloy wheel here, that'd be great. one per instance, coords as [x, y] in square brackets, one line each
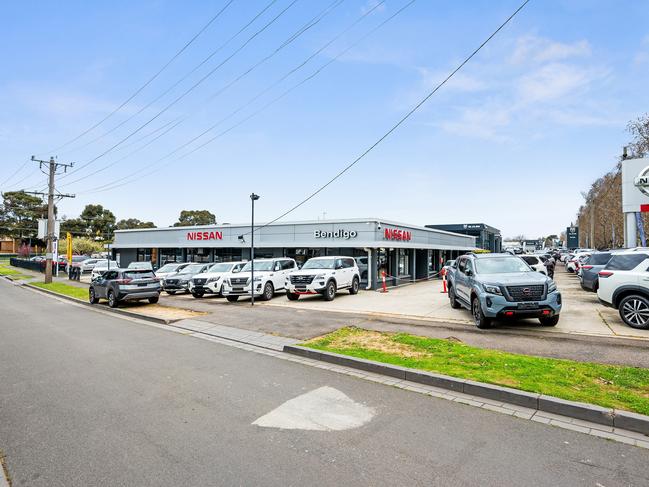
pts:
[636, 312]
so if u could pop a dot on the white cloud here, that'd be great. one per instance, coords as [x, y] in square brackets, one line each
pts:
[460, 82]
[642, 56]
[553, 81]
[483, 123]
[541, 50]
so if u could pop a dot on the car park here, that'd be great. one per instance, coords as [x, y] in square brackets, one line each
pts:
[535, 262]
[494, 286]
[211, 281]
[102, 266]
[624, 285]
[590, 267]
[120, 285]
[180, 280]
[572, 265]
[324, 276]
[270, 277]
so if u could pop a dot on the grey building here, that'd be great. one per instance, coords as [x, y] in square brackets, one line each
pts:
[404, 252]
[487, 237]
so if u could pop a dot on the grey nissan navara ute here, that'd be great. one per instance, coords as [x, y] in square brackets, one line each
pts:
[499, 286]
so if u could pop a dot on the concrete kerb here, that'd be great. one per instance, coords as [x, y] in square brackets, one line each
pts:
[153, 319]
[539, 402]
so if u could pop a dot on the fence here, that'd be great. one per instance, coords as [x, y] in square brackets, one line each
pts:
[28, 264]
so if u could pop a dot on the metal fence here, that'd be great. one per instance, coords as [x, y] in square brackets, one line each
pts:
[28, 264]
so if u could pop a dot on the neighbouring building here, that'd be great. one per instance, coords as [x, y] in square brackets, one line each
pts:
[487, 237]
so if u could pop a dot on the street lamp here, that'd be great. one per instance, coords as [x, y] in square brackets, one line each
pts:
[253, 197]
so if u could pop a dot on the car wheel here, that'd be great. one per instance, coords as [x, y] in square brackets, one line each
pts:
[453, 298]
[269, 292]
[232, 299]
[170, 293]
[198, 295]
[154, 300]
[112, 300]
[330, 291]
[292, 296]
[92, 298]
[634, 311]
[355, 286]
[480, 320]
[549, 321]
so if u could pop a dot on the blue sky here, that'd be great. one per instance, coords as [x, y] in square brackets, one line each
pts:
[511, 141]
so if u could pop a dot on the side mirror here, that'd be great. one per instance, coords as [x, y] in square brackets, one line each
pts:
[468, 272]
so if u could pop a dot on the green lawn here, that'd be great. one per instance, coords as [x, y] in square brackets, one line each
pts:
[606, 385]
[66, 289]
[7, 270]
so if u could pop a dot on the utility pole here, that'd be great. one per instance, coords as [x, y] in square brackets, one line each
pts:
[51, 232]
[253, 197]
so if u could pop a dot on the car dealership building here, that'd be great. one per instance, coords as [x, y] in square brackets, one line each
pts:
[404, 252]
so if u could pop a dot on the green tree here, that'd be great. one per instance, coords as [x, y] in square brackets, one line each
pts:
[99, 221]
[129, 223]
[76, 226]
[86, 246]
[190, 218]
[19, 214]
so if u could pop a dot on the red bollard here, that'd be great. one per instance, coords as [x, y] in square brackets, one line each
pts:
[444, 281]
[385, 287]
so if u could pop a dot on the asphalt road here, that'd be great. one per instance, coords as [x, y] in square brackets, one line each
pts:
[88, 399]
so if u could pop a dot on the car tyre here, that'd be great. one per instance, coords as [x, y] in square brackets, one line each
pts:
[154, 300]
[198, 295]
[330, 291]
[113, 302]
[634, 311]
[170, 293]
[292, 296]
[480, 320]
[549, 320]
[355, 286]
[269, 292]
[232, 299]
[92, 298]
[453, 298]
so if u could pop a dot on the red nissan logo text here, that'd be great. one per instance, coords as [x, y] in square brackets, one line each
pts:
[395, 234]
[204, 235]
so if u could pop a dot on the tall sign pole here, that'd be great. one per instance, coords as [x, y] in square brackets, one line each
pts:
[51, 237]
[253, 197]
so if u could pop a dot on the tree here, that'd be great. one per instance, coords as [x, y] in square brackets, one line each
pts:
[520, 238]
[133, 223]
[99, 221]
[550, 240]
[86, 246]
[76, 226]
[19, 214]
[190, 218]
[639, 130]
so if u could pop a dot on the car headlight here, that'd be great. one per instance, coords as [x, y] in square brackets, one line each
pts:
[492, 289]
[213, 279]
[318, 276]
[257, 278]
[552, 287]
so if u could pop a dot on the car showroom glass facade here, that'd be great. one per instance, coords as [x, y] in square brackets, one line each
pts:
[404, 252]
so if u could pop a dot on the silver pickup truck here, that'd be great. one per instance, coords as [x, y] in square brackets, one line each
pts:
[500, 286]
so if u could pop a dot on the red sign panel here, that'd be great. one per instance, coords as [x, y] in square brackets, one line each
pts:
[396, 234]
[204, 235]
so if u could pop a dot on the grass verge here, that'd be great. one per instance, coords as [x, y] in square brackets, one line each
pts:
[61, 288]
[605, 385]
[7, 270]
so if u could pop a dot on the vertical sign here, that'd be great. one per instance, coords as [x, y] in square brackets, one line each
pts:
[572, 237]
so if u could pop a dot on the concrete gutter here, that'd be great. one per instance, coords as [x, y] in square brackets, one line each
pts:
[122, 312]
[587, 412]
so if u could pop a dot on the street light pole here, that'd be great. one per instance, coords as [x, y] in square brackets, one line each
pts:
[253, 197]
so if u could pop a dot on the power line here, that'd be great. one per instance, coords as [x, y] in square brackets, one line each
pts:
[401, 121]
[147, 83]
[194, 69]
[11, 176]
[189, 90]
[312, 22]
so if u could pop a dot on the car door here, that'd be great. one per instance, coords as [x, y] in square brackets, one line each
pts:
[350, 270]
[460, 279]
[288, 266]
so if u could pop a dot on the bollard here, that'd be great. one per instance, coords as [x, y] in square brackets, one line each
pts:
[385, 287]
[444, 290]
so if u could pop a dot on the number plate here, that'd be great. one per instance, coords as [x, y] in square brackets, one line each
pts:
[528, 305]
[237, 289]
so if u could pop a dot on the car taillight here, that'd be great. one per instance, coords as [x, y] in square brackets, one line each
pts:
[123, 281]
[604, 273]
[586, 267]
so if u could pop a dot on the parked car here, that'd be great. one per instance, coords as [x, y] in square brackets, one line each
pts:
[589, 270]
[270, 277]
[502, 286]
[102, 266]
[624, 285]
[121, 285]
[361, 262]
[141, 265]
[573, 264]
[211, 281]
[170, 269]
[450, 263]
[535, 262]
[325, 276]
[181, 279]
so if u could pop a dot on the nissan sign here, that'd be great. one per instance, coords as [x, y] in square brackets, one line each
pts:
[642, 181]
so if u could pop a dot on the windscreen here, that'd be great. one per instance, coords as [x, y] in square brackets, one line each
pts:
[220, 268]
[192, 269]
[529, 259]
[501, 265]
[264, 265]
[599, 259]
[168, 267]
[319, 264]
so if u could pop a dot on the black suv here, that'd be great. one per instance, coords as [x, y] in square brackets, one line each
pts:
[124, 285]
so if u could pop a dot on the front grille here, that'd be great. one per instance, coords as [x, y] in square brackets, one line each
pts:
[200, 282]
[535, 292]
[173, 282]
[302, 279]
[238, 281]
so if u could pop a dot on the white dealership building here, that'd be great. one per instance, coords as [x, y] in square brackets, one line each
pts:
[404, 252]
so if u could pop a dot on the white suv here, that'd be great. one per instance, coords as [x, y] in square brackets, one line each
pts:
[624, 284]
[535, 262]
[211, 281]
[324, 275]
[270, 276]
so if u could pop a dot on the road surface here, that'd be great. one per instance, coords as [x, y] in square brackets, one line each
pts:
[89, 399]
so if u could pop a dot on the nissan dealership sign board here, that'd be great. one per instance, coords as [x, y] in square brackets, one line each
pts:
[635, 185]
